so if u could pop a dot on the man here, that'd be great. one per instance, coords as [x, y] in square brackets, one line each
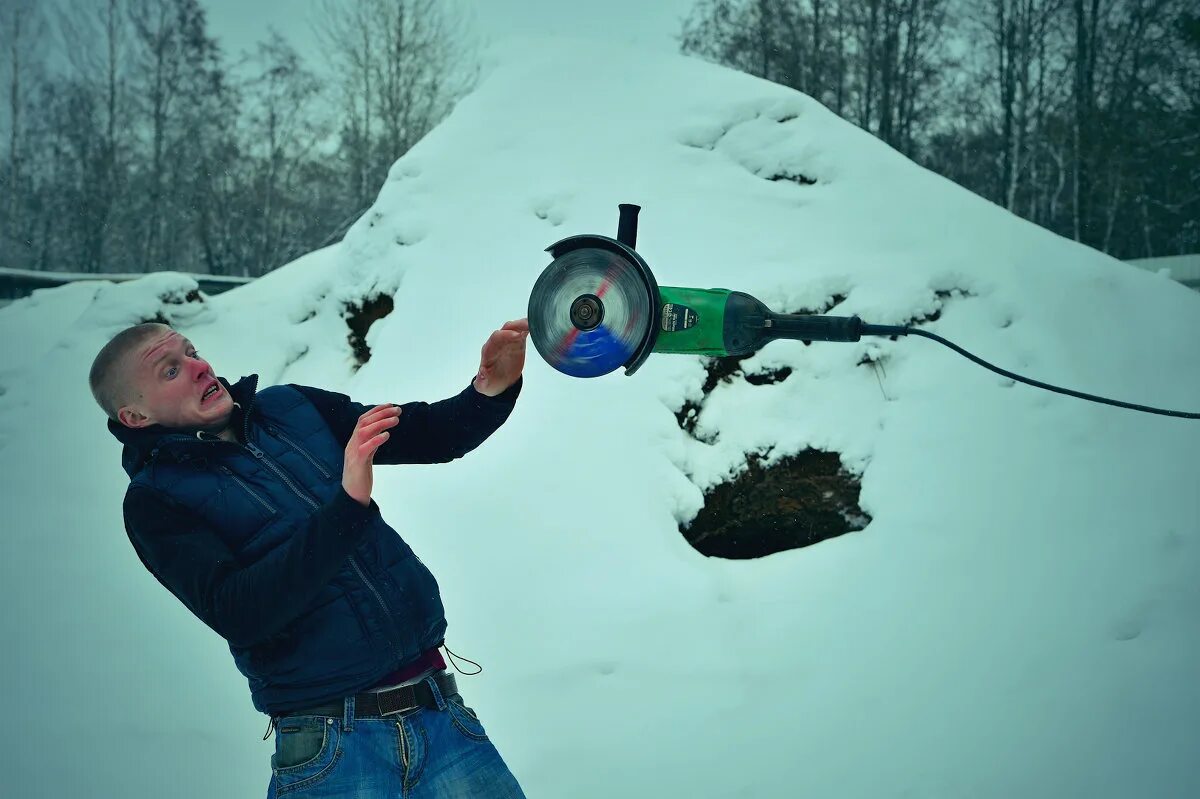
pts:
[254, 509]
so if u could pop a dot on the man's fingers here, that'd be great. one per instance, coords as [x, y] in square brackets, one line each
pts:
[512, 331]
[500, 341]
[377, 413]
[377, 409]
[366, 431]
[373, 444]
[369, 416]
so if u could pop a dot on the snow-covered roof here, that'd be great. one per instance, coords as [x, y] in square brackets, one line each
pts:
[1183, 268]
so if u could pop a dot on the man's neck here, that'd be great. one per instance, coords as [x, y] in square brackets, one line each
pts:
[230, 433]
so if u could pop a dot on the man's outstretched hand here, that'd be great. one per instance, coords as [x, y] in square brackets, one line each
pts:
[369, 434]
[502, 358]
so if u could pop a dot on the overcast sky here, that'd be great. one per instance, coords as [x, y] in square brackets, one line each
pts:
[653, 23]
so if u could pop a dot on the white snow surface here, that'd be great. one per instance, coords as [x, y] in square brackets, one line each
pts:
[1019, 618]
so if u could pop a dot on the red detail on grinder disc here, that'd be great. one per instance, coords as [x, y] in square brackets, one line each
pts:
[566, 342]
[569, 339]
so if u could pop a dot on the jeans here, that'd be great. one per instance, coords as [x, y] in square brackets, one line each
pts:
[418, 754]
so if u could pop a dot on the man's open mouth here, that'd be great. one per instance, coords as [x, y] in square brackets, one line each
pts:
[210, 392]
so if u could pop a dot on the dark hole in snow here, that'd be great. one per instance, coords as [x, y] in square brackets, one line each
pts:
[769, 378]
[801, 179]
[176, 299]
[158, 318]
[172, 298]
[360, 317]
[686, 416]
[799, 501]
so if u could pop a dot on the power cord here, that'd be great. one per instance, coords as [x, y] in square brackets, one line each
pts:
[890, 330]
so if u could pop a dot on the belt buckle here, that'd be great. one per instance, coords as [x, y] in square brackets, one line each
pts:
[446, 683]
[379, 697]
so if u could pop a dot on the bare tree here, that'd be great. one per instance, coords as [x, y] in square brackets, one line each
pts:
[400, 66]
[1019, 69]
[173, 53]
[95, 41]
[881, 58]
[22, 29]
[1084, 16]
[287, 126]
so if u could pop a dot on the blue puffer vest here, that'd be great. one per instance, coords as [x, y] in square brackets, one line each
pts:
[382, 609]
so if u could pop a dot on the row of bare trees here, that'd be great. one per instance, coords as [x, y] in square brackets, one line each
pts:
[136, 144]
[1079, 115]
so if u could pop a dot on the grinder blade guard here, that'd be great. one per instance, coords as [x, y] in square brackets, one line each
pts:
[593, 309]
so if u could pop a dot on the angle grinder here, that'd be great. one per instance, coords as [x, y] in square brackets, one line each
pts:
[597, 307]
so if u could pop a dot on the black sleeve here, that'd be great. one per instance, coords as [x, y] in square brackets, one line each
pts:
[426, 433]
[243, 604]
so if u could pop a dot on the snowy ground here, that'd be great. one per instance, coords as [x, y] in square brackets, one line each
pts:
[1019, 618]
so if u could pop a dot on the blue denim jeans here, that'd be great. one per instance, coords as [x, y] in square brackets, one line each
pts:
[419, 754]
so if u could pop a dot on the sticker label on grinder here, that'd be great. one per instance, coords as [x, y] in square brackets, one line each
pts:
[677, 317]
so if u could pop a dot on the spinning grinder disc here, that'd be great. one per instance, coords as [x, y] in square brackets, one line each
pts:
[589, 311]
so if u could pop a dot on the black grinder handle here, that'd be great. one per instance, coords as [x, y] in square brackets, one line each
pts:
[627, 225]
[749, 325]
[814, 328]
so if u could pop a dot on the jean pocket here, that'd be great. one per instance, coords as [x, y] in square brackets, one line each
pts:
[465, 719]
[306, 749]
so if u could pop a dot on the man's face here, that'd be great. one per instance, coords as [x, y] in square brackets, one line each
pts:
[170, 382]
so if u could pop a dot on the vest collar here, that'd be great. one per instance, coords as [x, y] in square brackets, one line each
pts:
[140, 443]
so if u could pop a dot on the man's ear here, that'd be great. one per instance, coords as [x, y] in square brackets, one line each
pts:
[132, 417]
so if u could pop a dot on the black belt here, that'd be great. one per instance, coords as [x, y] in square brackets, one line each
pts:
[388, 702]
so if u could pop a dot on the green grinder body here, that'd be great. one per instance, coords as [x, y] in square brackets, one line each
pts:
[714, 322]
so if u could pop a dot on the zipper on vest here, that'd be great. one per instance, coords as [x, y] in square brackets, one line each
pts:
[262, 456]
[280, 435]
[247, 488]
[354, 563]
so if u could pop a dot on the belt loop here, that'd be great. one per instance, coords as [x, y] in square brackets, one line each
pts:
[437, 692]
[348, 714]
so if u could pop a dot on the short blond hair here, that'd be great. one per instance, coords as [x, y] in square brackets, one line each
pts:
[109, 378]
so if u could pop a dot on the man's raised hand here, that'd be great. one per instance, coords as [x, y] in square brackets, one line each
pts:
[369, 434]
[502, 358]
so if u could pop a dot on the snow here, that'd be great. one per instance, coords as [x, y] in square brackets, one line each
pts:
[1018, 619]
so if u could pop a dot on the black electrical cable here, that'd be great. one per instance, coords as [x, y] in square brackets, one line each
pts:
[890, 330]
